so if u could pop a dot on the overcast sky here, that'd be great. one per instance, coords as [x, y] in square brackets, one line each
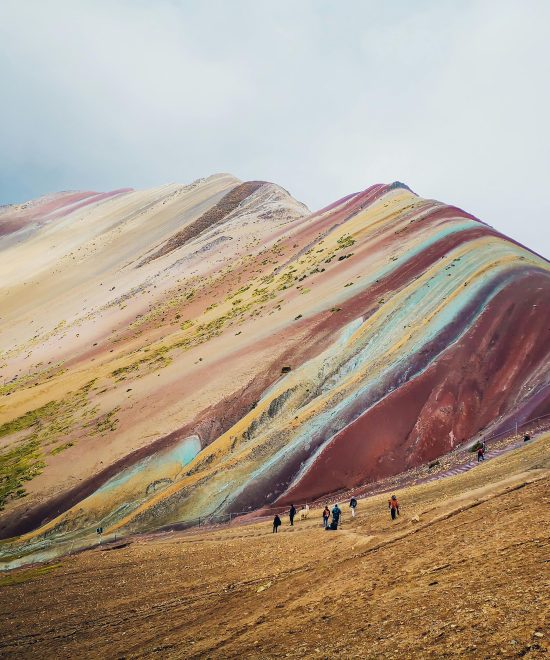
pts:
[322, 97]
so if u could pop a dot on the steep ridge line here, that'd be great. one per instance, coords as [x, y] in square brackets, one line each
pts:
[211, 218]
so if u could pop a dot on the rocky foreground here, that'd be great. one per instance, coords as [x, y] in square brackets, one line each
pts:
[462, 573]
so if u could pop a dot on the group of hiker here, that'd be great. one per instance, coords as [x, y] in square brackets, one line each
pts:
[335, 514]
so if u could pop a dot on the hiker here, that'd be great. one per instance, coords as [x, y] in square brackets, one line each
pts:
[276, 524]
[336, 513]
[526, 437]
[353, 504]
[480, 454]
[393, 506]
[291, 514]
[326, 516]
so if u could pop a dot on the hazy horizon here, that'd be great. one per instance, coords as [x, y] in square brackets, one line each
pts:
[319, 98]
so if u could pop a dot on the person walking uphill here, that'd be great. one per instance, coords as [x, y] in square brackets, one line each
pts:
[393, 506]
[352, 505]
[326, 516]
[276, 524]
[291, 514]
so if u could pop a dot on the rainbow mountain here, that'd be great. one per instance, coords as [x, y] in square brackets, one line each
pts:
[195, 350]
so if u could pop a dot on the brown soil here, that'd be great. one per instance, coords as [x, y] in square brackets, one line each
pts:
[469, 578]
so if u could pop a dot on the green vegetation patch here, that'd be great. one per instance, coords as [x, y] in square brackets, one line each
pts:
[105, 423]
[156, 359]
[122, 371]
[30, 418]
[18, 577]
[22, 461]
[345, 242]
[30, 380]
[60, 448]
[17, 465]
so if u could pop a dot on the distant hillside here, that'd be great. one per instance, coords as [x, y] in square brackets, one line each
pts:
[193, 350]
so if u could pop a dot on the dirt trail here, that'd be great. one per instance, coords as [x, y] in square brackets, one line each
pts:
[470, 578]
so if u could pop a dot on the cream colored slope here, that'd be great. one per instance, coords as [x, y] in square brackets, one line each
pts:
[165, 399]
[65, 262]
[250, 231]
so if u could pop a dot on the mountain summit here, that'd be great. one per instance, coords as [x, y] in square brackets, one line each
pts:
[191, 350]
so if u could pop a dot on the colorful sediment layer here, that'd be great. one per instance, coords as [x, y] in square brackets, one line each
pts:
[195, 350]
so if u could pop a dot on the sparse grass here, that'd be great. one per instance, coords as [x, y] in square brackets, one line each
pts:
[17, 465]
[60, 448]
[30, 380]
[345, 242]
[30, 418]
[24, 460]
[122, 371]
[18, 577]
[105, 423]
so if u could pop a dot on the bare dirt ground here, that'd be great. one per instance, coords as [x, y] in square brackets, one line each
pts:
[469, 578]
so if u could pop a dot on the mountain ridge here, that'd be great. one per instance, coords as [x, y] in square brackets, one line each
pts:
[162, 386]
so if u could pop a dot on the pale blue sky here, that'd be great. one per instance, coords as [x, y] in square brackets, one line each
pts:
[324, 98]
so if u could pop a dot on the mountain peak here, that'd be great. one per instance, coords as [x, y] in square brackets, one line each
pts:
[195, 350]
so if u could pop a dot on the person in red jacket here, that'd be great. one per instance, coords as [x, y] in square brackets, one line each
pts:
[393, 506]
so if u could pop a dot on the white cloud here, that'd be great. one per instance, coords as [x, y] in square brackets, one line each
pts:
[324, 98]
